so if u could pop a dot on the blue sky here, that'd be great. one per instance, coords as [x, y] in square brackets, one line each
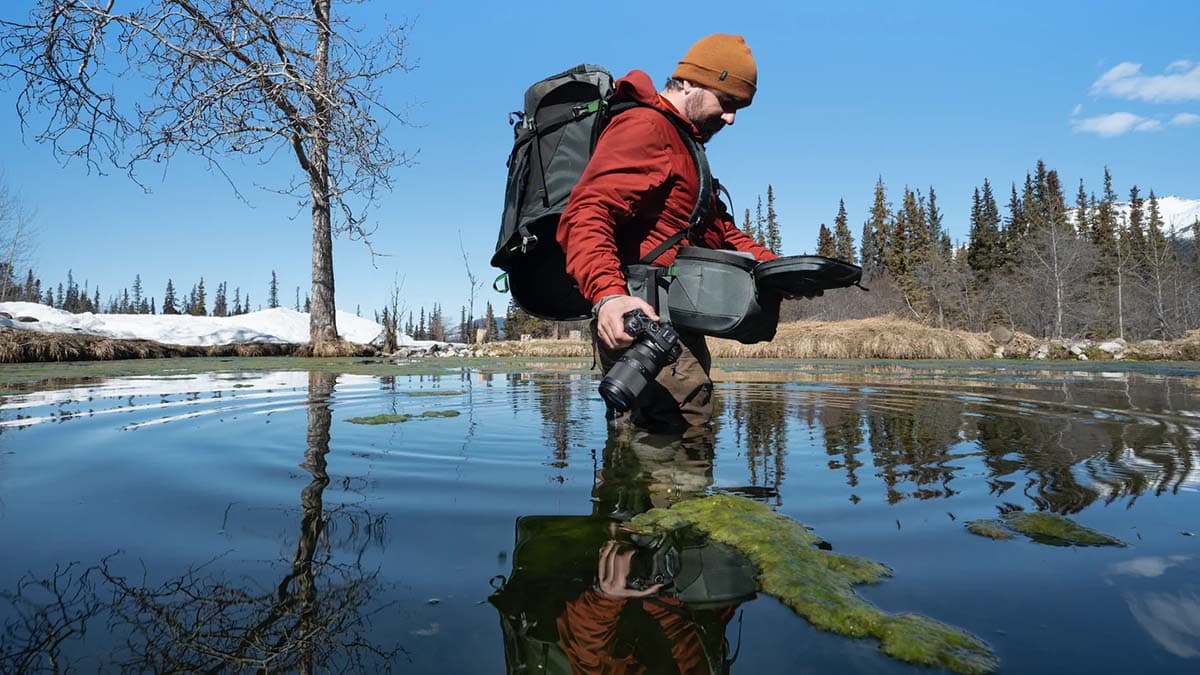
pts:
[929, 93]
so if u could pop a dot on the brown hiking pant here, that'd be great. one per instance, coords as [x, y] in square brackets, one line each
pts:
[682, 394]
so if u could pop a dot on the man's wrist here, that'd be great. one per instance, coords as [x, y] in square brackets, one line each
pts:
[600, 303]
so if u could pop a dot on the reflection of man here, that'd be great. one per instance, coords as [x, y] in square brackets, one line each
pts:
[615, 629]
[637, 194]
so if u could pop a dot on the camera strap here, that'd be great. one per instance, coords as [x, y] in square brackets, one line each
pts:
[649, 283]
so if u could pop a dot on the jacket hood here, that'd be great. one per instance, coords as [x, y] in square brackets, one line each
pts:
[637, 86]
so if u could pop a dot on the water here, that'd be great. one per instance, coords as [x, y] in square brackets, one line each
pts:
[240, 521]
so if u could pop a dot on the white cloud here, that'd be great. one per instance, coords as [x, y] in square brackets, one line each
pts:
[1114, 124]
[1180, 83]
[1185, 120]
[1078, 110]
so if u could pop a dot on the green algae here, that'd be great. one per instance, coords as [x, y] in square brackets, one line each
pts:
[992, 529]
[1042, 528]
[818, 584]
[398, 418]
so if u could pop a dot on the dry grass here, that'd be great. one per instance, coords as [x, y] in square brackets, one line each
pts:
[876, 338]
[24, 346]
[539, 348]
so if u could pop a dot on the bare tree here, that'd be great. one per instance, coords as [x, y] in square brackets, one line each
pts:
[475, 285]
[224, 78]
[17, 234]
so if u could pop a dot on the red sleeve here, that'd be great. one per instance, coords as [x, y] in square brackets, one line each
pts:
[587, 633]
[630, 163]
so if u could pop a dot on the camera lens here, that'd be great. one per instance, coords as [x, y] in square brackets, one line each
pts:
[628, 377]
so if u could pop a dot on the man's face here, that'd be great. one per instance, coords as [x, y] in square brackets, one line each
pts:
[710, 111]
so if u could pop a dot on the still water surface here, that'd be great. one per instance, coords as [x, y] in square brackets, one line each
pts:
[239, 520]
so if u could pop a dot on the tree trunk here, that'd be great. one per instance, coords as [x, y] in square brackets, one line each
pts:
[322, 326]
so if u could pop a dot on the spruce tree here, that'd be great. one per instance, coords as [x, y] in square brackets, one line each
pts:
[273, 292]
[1134, 228]
[49, 299]
[199, 305]
[137, 293]
[124, 302]
[825, 242]
[843, 239]
[298, 300]
[421, 326]
[152, 305]
[760, 224]
[934, 217]
[774, 237]
[169, 303]
[1083, 223]
[748, 227]
[1104, 228]
[96, 300]
[491, 330]
[220, 307]
[880, 225]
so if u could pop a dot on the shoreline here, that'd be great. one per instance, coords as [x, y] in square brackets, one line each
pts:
[876, 338]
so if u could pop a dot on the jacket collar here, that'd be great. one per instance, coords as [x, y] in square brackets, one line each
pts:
[637, 86]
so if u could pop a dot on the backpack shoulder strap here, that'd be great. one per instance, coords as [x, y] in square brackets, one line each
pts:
[704, 195]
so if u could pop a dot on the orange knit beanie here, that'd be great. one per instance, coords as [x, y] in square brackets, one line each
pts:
[722, 63]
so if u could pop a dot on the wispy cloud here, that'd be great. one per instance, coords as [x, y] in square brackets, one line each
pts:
[1180, 82]
[1078, 110]
[1185, 120]
[1114, 124]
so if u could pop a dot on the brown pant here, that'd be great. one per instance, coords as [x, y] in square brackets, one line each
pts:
[682, 394]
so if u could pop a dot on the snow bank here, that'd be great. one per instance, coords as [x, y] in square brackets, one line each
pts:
[269, 325]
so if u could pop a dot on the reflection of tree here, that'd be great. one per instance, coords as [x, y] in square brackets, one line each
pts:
[317, 617]
[911, 446]
[843, 434]
[761, 424]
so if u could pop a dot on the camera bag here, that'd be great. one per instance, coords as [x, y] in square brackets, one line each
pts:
[714, 293]
[728, 294]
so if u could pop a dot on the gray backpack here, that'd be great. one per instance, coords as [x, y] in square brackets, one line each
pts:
[553, 140]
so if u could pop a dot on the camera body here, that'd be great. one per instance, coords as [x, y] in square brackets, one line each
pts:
[656, 345]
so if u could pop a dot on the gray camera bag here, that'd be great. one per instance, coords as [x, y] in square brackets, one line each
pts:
[714, 292]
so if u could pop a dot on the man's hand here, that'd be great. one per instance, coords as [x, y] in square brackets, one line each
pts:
[614, 572]
[610, 321]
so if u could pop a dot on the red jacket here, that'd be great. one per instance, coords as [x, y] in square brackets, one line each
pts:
[638, 189]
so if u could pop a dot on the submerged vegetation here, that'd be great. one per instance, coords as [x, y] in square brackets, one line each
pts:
[819, 585]
[1043, 528]
[398, 418]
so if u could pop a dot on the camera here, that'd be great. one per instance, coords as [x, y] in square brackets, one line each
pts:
[656, 560]
[655, 345]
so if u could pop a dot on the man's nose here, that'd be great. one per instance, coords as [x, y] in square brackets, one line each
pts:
[728, 117]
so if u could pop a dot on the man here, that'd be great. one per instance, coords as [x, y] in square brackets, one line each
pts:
[638, 190]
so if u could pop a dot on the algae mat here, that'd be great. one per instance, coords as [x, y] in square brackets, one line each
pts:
[1042, 528]
[819, 585]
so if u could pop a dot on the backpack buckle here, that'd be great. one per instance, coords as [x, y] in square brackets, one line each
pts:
[528, 242]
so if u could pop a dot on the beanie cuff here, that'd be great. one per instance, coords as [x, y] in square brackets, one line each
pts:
[741, 90]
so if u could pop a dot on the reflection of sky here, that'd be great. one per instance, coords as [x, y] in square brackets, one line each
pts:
[1171, 618]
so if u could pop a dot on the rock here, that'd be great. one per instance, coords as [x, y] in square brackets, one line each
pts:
[1076, 349]
[1001, 335]
[27, 319]
[5, 315]
[1042, 352]
[999, 353]
[1151, 343]
[1111, 346]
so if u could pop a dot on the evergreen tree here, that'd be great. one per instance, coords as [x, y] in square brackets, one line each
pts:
[169, 304]
[220, 307]
[826, 245]
[880, 224]
[246, 303]
[124, 309]
[868, 254]
[137, 293]
[71, 297]
[298, 300]
[1134, 228]
[1155, 239]
[748, 227]
[934, 217]
[1104, 228]
[491, 330]
[199, 304]
[760, 225]
[437, 326]
[409, 328]
[96, 300]
[59, 299]
[49, 299]
[774, 237]
[843, 239]
[984, 250]
[307, 303]
[421, 326]
[1083, 223]
[463, 328]
[273, 292]
[152, 311]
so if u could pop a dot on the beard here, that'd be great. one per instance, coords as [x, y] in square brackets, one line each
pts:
[707, 124]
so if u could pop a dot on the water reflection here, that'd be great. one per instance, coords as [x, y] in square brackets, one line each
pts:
[317, 617]
[585, 596]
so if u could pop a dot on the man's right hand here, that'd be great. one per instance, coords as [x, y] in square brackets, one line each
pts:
[610, 321]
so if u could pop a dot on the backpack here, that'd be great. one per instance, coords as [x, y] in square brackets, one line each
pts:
[553, 140]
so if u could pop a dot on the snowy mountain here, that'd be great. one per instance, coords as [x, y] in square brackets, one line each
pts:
[1175, 211]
